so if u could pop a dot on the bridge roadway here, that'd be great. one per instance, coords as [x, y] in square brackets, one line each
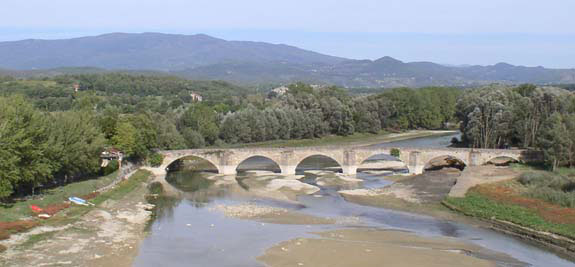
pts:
[348, 157]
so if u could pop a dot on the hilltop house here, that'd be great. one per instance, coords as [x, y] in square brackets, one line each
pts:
[196, 97]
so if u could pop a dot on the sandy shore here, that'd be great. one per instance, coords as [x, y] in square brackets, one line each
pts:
[370, 247]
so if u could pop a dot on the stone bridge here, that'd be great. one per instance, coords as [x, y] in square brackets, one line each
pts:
[349, 158]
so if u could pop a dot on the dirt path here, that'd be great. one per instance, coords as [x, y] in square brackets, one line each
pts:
[108, 235]
[476, 175]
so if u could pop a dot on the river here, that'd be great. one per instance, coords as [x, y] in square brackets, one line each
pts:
[190, 232]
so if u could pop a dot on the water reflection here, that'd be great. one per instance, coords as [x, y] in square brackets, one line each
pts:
[190, 233]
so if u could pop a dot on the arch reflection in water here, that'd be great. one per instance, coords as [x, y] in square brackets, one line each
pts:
[318, 162]
[383, 162]
[193, 163]
[258, 163]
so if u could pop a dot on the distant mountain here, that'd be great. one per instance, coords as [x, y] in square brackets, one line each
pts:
[157, 51]
[204, 57]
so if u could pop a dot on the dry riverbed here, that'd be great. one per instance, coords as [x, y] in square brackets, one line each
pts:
[372, 247]
[424, 193]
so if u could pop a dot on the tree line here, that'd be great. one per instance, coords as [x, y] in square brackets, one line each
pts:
[522, 116]
[50, 134]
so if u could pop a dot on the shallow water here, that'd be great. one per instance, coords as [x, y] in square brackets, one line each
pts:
[189, 233]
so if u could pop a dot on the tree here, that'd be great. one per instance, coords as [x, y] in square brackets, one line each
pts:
[23, 145]
[203, 119]
[75, 143]
[125, 139]
[554, 141]
[485, 115]
[193, 138]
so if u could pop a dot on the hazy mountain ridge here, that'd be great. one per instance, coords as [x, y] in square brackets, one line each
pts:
[204, 57]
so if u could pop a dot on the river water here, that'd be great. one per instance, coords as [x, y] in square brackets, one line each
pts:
[189, 232]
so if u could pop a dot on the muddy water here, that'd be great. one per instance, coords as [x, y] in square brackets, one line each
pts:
[190, 232]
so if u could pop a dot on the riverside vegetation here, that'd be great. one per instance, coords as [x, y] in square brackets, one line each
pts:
[51, 136]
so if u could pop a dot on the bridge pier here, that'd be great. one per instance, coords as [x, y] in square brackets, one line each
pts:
[288, 170]
[416, 169]
[415, 164]
[227, 170]
[349, 170]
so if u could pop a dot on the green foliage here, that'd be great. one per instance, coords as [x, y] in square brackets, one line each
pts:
[75, 143]
[551, 187]
[193, 138]
[112, 166]
[525, 116]
[125, 138]
[556, 139]
[124, 187]
[24, 146]
[395, 152]
[17, 210]
[203, 119]
[485, 115]
[475, 204]
[156, 159]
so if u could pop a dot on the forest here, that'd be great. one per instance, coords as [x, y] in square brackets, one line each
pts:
[50, 134]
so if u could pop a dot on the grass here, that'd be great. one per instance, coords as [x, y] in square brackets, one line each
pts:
[533, 213]
[72, 213]
[117, 193]
[20, 209]
[363, 138]
[124, 187]
[552, 187]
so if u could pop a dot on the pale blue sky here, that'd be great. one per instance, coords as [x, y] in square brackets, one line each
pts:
[483, 32]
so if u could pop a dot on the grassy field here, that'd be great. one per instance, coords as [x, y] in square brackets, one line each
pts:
[535, 200]
[20, 209]
[117, 193]
[357, 138]
[72, 213]
[18, 217]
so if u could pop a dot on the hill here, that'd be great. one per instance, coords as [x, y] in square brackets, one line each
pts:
[205, 57]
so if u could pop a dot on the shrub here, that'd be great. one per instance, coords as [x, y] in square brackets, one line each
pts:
[561, 198]
[395, 152]
[156, 188]
[111, 167]
[550, 187]
[543, 179]
[156, 159]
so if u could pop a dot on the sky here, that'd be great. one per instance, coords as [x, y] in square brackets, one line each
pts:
[527, 32]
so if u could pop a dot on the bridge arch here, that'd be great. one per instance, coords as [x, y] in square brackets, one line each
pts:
[301, 160]
[508, 158]
[169, 161]
[380, 160]
[276, 167]
[448, 160]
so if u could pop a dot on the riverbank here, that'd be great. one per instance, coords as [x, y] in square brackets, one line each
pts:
[496, 201]
[107, 234]
[511, 207]
[354, 139]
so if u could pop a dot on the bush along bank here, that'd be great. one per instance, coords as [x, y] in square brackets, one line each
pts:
[536, 206]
